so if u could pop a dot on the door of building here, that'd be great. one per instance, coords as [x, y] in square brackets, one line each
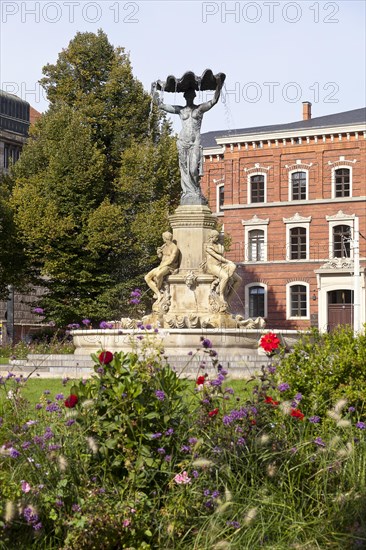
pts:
[340, 308]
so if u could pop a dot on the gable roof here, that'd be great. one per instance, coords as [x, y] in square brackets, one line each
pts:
[356, 116]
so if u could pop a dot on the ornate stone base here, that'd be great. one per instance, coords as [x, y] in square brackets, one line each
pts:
[190, 298]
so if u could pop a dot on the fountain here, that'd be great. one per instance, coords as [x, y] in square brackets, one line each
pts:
[194, 282]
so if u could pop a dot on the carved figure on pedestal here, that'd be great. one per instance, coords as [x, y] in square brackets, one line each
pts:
[189, 140]
[224, 270]
[169, 254]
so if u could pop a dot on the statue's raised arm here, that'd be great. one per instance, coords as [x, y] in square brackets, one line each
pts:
[189, 139]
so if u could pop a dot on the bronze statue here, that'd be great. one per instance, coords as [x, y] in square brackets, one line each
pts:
[189, 140]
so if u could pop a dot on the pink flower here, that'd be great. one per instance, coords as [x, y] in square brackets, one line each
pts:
[25, 487]
[182, 479]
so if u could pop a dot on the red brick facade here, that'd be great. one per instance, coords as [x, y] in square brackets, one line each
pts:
[285, 241]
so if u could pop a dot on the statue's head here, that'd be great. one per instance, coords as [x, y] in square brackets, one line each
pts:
[167, 236]
[190, 94]
[214, 235]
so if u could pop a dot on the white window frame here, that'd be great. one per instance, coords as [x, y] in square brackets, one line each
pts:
[339, 219]
[250, 225]
[218, 187]
[249, 186]
[247, 294]
[290, 183]
[291, 223]
[334, 168]
[288, 300]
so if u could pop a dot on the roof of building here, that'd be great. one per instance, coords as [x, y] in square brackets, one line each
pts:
[356, 116]
[12, 96]
[34, 115]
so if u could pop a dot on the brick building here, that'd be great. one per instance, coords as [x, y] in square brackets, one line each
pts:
[291, 198]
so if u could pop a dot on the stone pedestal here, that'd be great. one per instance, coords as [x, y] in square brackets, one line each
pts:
[190, 299]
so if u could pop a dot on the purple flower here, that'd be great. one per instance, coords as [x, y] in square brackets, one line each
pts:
[169, 431]
[37, 526]
[161, 451]
[70, 422]
[104, 324]
[60, 397]
[167, 458]
[160, 395]
[39, 406]
[195, 473]
[136, 293]
[100, 370]
[185, 448]
[59, 502]
[52, 407]
[215, 494]
[134, 301]
[148, 327]
[38, 311]
[351, 409]
[283, 387]
[314, 419]
[26, 445]
[13, 452]
[206, 343]
[54, 447]
[271, 369]
[207, 492]
[46, 392]
[76, 508]
[240, 441]
[229, 390]
[86, 322]
[361, 425]
[156, 436]
[234, 524]
[192, 440]
[318, 441]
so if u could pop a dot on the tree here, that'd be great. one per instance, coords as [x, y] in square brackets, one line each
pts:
[13, 267]
[97, 167]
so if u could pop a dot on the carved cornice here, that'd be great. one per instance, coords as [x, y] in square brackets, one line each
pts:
[257, 168]
[338, 263]
[297, 219]
[255, 221]
[298, 165]
[340, 216]
[341, 162]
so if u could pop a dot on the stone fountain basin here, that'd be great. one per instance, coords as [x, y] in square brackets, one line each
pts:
[227, 342]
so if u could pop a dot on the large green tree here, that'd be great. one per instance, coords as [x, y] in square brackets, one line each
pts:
[13, 261]
[95, 183]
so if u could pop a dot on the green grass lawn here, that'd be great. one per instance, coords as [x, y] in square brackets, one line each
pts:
[4, 360]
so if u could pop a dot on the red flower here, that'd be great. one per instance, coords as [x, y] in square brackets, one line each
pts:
[213, 413]
[297, 414]
[200, 380]
[105, 357]
[71, 401]
[269, 342]
[271, 401]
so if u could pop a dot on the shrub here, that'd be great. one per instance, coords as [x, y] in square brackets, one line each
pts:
[326, 368]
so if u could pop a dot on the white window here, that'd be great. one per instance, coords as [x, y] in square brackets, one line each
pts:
[340, 235]
[297, 237]
[297, 300]
[298, 185]
[256, 300]
[255, 239]
[341, 180]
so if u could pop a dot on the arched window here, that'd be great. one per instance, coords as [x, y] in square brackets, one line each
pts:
[341, 241]
[256, 251]
[256, 301]
[298, 186]
[257, 188]
[342, 182]
[298, 245]
[297, 300]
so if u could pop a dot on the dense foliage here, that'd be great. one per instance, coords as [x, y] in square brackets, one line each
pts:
[95, 183]
[136, 458]
[327, 367]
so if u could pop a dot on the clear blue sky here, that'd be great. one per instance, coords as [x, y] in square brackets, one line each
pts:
[275, 54]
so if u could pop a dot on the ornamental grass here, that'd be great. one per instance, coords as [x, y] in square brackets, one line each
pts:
[136, 458]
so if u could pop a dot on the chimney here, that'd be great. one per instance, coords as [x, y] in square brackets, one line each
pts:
[306, 110]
